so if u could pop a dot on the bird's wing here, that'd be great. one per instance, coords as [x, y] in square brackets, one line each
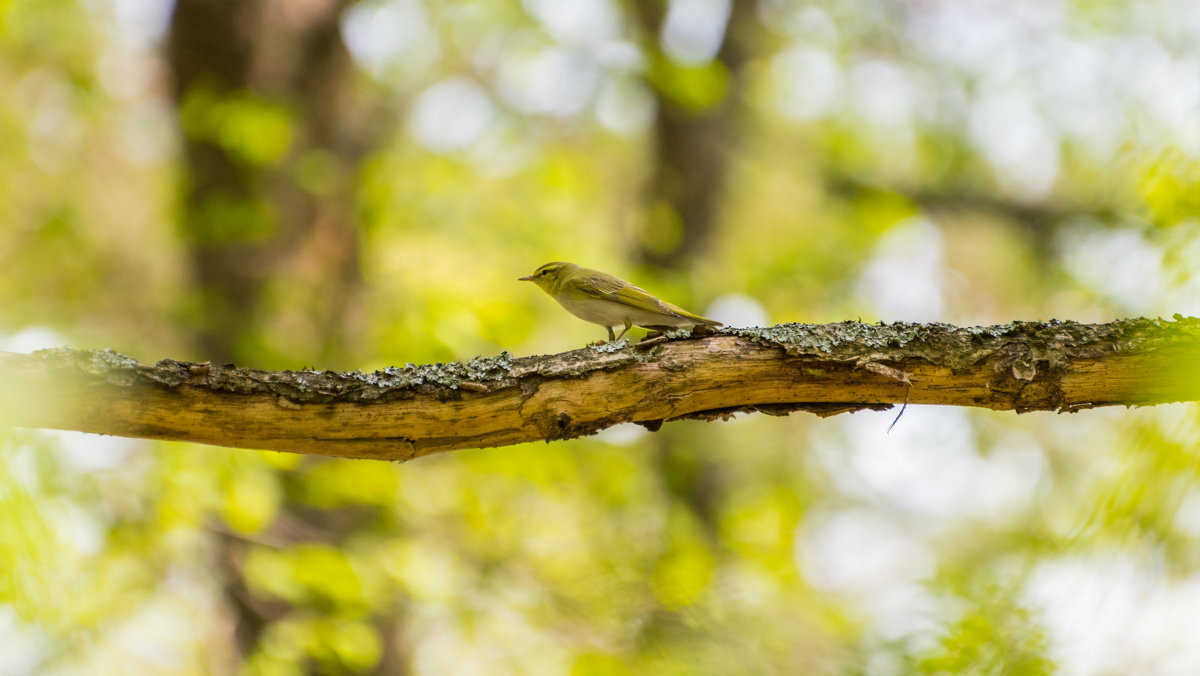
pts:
[617, 290]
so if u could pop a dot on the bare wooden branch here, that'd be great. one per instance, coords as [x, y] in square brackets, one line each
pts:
[404, 413]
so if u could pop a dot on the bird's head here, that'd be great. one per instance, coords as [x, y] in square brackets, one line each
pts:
[550, 276]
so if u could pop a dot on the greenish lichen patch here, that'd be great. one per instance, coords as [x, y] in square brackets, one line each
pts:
[873, 342]
[107, 364]
[92, 361]
[1051, 341]
[580, 362]
[844, 337]
[451, 374]
[306, 386]
[609, 347]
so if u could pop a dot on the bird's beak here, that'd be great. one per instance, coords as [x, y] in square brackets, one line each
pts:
[525, 279]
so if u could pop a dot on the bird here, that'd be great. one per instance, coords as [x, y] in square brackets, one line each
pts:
[602, 299]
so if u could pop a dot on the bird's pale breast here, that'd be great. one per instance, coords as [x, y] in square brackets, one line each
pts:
[611, 313]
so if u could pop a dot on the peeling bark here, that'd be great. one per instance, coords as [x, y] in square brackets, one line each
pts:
[404, 413]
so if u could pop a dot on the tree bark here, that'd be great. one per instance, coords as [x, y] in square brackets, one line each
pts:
[405, 413]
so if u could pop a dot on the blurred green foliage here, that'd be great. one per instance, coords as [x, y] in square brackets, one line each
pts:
[961, 162]
[997, 639]
[250, 130]
[692, 88]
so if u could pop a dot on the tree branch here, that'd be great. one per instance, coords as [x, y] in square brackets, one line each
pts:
[404, 413]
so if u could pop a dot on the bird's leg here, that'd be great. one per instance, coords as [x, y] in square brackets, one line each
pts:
[628, 325]
[611, 336]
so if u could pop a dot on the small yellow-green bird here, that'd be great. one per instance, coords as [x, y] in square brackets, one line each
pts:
[602, 299]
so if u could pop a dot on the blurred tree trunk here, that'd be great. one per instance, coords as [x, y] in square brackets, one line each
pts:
[693, 142]
[693, 146]
[273, 137]
[272, 140]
